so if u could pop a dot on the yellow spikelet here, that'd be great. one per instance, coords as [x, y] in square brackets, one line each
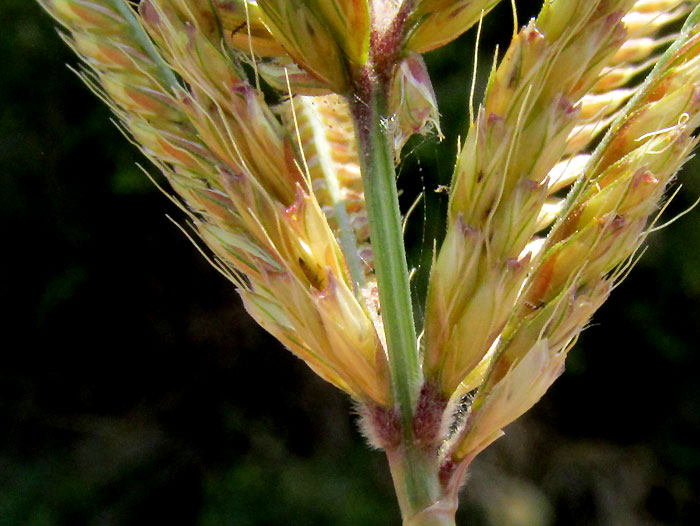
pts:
[244, 28]
[327, 141]
[307, 37]
[643, 44]
[499, 189]
[438, 22]
[412, 101]
[589, 250]
[232, 162]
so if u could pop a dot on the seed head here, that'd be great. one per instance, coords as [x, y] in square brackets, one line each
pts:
[243, 179]
[601, 225]
[274, 188]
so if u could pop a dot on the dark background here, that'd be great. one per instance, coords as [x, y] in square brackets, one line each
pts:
[134, 389]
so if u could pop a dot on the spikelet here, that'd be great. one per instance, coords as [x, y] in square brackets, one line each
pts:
[412, 102]
[232, 163]
[589, 249]
[615, 85]
[349, 21]
[245, 32]
[244, 29]
[134, 80]
[500, 185]
[240, 129]
[327, 141]
[306, 35]
[438, 22]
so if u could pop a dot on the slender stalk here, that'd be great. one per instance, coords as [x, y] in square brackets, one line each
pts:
[414, 469]
[434, 506]
[379, 179]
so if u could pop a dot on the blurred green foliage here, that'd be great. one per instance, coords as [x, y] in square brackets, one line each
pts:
[134, 388]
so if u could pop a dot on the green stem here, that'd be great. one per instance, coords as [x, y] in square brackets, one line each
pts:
[415, 472]
[436, 507]
[391, 269]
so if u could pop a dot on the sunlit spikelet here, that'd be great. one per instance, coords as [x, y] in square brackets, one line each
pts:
[228, 113]
[438, 22]
[349, 21]
[615, 85]
[500, 184]
[244, 29]
[307, 36]
[588, 251]
[327, 140]
[412, 101]
[245, 32]
[238, 173]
